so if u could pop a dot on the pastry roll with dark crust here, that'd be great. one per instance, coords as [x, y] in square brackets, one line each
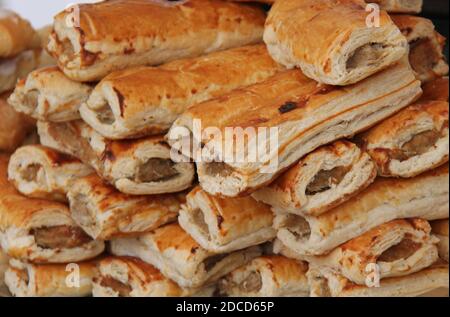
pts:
[132, 277]
[339, 47]
[102, 39]
[440, 229]
[328, 283]
[425, 46]
[48, 95]
[267, 276]
[172, 251]
[147, 100]
[399, 6]
[40, 231]
[226, 224]
[412, 141]
[103, 212]
[41, 172]
[399, 248]
[136, 167]
[387, 199]
[436, 90]
[321, 180]
[281, 120]
[50, 280]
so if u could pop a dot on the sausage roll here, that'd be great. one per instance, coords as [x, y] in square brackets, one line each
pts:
[440, 229]
[14, 126]
[437, 89]
[17, 67]
[226, 224]
[399, 6]
[136, 167]
[399, 247]
[412, 141]
[48, 95]
[103, 212]
[40, 231]
[102, 39]
[172, 251]
[328, 283]
[425, 46]
[132, 277]
[339, 48]
[321, 180]
[425, 196]
[284, 118]
[41, 172]
[267, 276]
[147, 100]
[50, 280]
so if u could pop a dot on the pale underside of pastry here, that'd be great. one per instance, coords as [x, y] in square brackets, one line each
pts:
[39, 230]
[267, 276]
[426, 46]
[47, 94]
[398, 248]
[136, 167]
[147, 100]
[172, 251]
[285, 118]
[226, 224]
[90, 40]
[132, 277]
[50, 280]
[321, 180]
[340, 47]
[399, 6]
[103, 212]
[41, 172]
[440, 229]
[327, 283]
[412, 141]
[424, 196]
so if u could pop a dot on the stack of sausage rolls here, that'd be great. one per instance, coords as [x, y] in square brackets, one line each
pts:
[350, 200]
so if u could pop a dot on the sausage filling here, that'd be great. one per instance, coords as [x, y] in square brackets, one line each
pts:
[199, 219]
[403, 250]
[298, 226]
[366, 55]
[30, 172]
[60, 237]
[421, 143]
[156, 170]
[124, 290]
[210, 263]
[326, 179]
[423, 56]
[252, 283]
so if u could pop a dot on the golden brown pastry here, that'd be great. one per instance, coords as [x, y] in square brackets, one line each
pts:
[226, 224]
[132, 277]
[41, 172]
[440, 229]
[412, 141]
[339, 46]
[321, 180]
[40, 231]
[147, 100]
[301, 114]
[50, 280]
[425, 196]
[425, 46]
[436, 89]
[103, 212]
[101, 38]
[136, 167]
[47, 94]
[267, 276]
[399, 6]
[172, 251]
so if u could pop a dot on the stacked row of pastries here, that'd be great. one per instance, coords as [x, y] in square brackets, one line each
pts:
[100, 206]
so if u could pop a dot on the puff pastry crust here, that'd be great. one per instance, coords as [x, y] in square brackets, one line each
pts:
[41, 172]
[305, 115]
[47, 94]
[172, 251]
[399, 6]
[100, 41]
[48, 280]
[321, 180]
[440, 229]
[103, 212]
[136, 167]
[132, 277]
[424, 196]
[425, 46]
[226, 224]
[267, 276]
[40, 231]
[339, 48]
[412, 141]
